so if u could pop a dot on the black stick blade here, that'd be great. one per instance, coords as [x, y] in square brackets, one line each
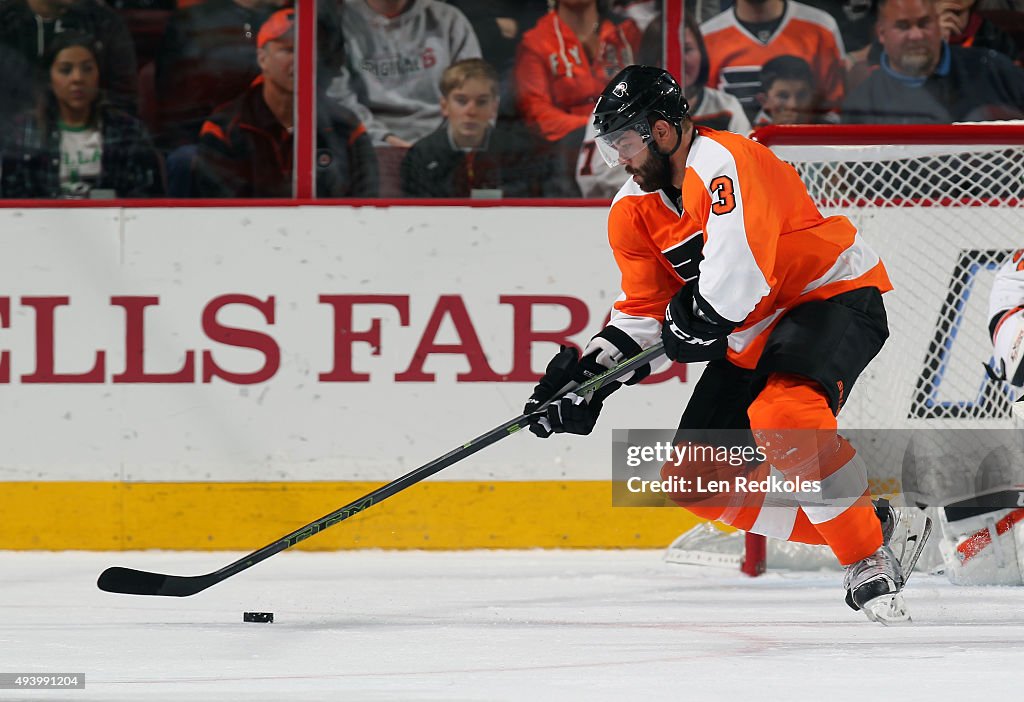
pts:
[128, 581]
[131, 582]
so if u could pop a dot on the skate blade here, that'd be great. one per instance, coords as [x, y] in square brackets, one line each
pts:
[888, 610]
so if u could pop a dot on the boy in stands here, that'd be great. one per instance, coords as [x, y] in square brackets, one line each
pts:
[468, 153]
[787, 96]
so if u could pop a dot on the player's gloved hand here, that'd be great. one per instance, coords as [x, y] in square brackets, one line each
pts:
[572, 413]
[687, 335]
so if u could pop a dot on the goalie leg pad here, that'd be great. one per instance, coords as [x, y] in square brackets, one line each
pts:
[984, 547]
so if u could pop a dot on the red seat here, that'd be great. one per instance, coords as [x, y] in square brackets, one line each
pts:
[148, 112]
[389, 164]
[147, 29]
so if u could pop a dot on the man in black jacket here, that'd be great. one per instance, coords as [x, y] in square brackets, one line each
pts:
[922, 79]
[27, 27]
[467, 155]
[207, 57]
[245, 147]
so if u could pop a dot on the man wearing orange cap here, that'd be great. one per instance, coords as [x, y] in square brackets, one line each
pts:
[245, 147]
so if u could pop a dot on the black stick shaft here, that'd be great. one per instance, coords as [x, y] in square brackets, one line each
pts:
[137, 582]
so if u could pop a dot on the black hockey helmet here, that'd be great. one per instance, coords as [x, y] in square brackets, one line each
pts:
[632, 101]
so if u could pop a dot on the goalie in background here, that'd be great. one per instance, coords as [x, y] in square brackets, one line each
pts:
[983, 537]
[981, 520]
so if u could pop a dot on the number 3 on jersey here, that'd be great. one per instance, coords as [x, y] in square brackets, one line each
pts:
[721, 188]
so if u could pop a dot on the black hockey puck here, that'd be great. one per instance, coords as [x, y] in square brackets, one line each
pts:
[259, 617]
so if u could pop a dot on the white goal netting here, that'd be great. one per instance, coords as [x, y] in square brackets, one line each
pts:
[942, 215]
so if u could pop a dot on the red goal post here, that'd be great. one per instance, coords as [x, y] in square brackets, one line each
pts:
[942, 205]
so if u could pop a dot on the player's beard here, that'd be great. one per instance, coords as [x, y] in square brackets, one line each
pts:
[654, 174]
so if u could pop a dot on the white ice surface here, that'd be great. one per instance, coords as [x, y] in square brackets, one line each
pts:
[526, 625]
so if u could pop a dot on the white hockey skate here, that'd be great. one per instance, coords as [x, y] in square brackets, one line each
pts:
[904, 531]
[875, 584]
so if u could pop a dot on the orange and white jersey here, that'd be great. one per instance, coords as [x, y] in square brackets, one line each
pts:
[748, 229]
[736, 55]
[1008, 288]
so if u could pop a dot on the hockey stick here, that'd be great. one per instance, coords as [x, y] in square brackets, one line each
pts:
[140, 582]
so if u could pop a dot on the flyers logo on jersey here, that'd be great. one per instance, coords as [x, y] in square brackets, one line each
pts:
[620, 90]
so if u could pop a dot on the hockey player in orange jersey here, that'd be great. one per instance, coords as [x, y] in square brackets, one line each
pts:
[725, 258]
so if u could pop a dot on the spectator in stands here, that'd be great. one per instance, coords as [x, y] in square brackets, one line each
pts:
[207, 57]
[29, 27]
[499, 26]
[708, 107]
[396, 51]
[245, 148]
[788, 92]
[856, 21]
[467, 154]
[741, 39]
[564, 63]
[962, 25]
[75, 144]
[922, 79]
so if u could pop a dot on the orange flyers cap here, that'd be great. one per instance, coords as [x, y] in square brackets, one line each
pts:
[276, 26]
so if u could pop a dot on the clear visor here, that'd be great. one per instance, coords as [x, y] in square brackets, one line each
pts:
[621, 145]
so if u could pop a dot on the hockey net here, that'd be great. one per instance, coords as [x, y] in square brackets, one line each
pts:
[943, 206]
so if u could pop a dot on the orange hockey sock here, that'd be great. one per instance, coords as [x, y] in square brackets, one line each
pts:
[792, 421]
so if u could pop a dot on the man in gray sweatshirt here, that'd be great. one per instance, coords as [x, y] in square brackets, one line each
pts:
[396, 51]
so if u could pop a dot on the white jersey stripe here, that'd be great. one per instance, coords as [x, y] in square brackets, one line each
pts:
[852, 263]
[731, 281]
[738, 341]
[645, 331]
[777, 515]
[839, 492]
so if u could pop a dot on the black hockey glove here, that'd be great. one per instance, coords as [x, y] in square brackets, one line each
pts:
[572, 413]
[689, 336]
